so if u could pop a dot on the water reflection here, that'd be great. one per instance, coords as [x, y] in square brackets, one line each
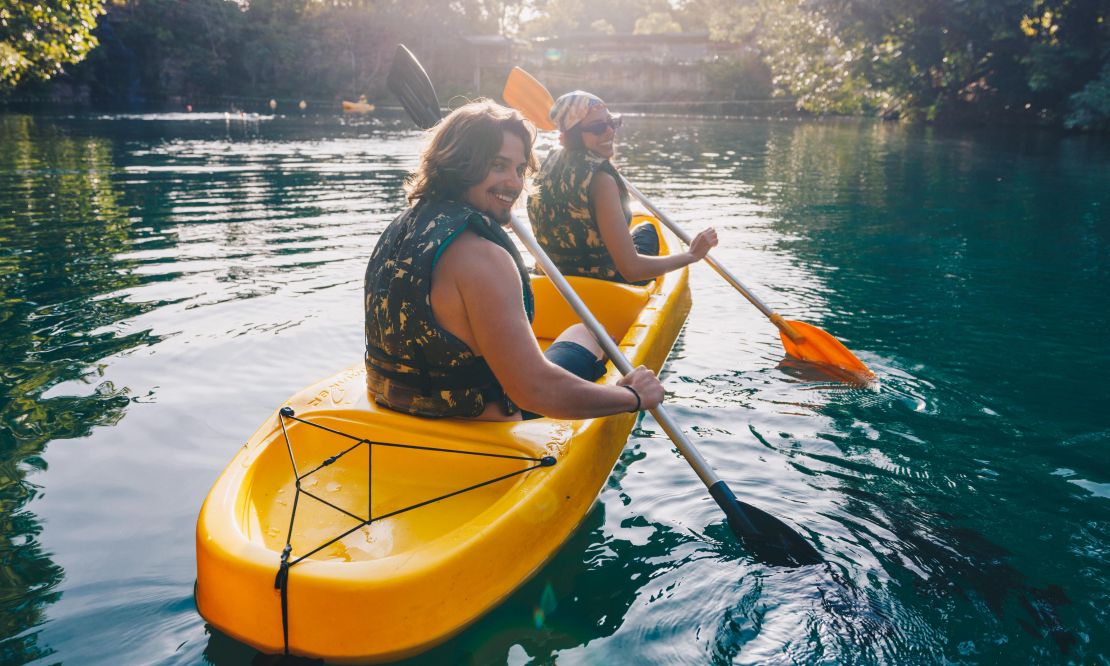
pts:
[124, 236]
[907, 521]
[907, 246]
[961, 505]
[58, 270]
[932, 239]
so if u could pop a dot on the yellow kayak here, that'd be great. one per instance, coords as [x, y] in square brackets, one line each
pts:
[357, 107]
[406, 530]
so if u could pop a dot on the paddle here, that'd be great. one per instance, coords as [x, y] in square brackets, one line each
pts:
[800, 340]
[410, 83]
[769, 539]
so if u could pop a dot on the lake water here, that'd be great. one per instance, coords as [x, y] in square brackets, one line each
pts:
[167, 281]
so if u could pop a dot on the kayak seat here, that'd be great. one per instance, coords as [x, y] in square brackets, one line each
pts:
[614, 304]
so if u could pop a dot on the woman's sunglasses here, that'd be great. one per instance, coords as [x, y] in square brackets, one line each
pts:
[599, 128]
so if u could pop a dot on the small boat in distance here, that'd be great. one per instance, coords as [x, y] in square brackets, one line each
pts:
[361, 106]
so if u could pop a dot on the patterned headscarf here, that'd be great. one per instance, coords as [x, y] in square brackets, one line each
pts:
[572, 107]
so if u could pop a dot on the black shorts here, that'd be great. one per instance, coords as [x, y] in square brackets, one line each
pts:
[575, 359]
[645, 237]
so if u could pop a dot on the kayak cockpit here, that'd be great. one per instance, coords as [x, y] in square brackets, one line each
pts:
[616, 305]
[413, 494]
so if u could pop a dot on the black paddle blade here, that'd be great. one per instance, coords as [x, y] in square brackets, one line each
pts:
[410, 83]
[777, 543]
[769, 539]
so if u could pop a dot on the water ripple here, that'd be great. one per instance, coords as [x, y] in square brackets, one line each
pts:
[164, 279]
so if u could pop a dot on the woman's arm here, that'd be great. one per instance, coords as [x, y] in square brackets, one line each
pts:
[611, 222]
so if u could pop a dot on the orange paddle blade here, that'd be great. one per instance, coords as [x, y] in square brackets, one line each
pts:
[817, 346]
[527, 95]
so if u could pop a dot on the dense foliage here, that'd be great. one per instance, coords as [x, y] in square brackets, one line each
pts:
[1040, 61]
[950, 60]
[209, 51]
[38, 38]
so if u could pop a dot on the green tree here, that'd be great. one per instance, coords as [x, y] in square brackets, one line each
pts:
[935, 60]
[741, 77]
[554, 18]
[1090, 107]
[216, 52]
[602, 27]
[151, 50]
[656, 23]
[38, 38]
[807, 57]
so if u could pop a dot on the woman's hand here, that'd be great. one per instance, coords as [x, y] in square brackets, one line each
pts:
[703, 243]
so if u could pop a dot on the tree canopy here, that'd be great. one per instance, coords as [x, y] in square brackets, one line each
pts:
[38, 38]
[1040, 61]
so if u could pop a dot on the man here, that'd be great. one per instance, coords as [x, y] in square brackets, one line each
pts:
[448, 300]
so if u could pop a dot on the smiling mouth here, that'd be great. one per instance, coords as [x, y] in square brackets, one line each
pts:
[505, 198]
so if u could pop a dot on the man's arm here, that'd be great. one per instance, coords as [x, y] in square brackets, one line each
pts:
[489, 287]
[633, 266]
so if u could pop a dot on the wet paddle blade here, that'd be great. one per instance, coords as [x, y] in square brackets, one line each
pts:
[769, 539]
[777, 543]
[527, 95]
[410, 83]
[820, 347]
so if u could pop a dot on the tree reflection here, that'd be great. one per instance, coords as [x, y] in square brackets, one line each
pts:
[60, 302]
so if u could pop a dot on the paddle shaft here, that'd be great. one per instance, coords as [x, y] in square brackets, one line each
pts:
[775, 318]
[717, 488]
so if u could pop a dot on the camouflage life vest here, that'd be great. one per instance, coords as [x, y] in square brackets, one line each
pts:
[561, 216]
[413, 365]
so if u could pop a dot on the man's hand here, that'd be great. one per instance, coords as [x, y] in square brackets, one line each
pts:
[644, 382]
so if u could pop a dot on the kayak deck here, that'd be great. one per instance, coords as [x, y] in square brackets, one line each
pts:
[376, 574]
[399, 478]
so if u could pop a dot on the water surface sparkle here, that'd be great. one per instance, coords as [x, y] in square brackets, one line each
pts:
[166, 281]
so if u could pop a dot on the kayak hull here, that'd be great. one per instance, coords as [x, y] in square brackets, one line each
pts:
[404, 583]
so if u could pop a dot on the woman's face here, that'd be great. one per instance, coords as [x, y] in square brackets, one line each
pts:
[598, 142]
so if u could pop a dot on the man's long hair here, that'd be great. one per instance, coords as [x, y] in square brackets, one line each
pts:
[462, 148]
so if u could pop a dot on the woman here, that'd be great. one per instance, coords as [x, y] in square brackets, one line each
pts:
[580, 212]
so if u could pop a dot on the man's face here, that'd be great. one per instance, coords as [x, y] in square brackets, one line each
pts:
[496, 194]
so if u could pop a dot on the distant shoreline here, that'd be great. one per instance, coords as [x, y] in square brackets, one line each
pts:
[767, 109]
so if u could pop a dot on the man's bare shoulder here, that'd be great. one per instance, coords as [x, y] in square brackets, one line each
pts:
[477, 258]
